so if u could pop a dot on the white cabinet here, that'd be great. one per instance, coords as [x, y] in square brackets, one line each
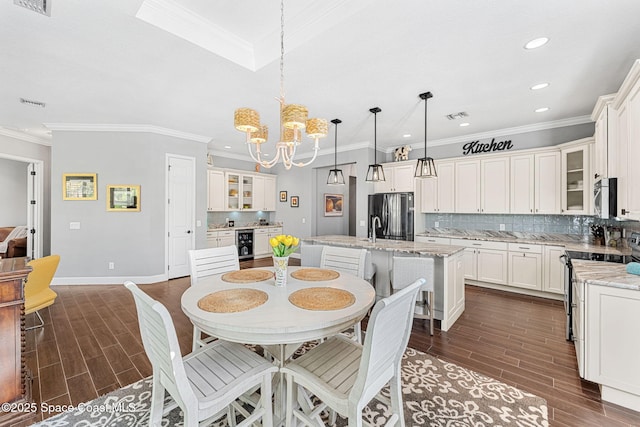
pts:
[399, 178]
[264, 193]
[215, 191]
[467, 186]
[216, 239]
[494, 185]
[553, 270]
[605, 136]
[612, 316]
[239, 191]
[437, 194]
[484, 261]
[547, 178]
[522, 187]
[274, 231]
[576, 179]
[261, 246]
[436, 240]
[627, 105]
[525, 266]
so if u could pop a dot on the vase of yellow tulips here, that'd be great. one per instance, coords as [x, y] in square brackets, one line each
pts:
[282, 246]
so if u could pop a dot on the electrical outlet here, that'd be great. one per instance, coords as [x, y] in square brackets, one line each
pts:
[112, 265]
[304, 220]
[501, 227]
[363, 223]
[436, 224]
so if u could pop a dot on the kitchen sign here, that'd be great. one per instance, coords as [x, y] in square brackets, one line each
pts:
[475, 147]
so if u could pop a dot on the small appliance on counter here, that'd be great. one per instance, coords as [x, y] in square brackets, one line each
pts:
[231, 223]
[263, 221]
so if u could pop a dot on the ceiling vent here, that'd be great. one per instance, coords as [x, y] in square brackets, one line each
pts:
[40, 6]
[32, 102]
[456, 116]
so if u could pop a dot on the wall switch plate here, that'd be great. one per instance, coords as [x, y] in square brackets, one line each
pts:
[436, 224]
[304, 220]
[112, 266]
[198, 223]
[362, 223]
[74, 226]
[501, 227]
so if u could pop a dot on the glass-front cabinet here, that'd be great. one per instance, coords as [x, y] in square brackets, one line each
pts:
[576, 180]
[239, 190]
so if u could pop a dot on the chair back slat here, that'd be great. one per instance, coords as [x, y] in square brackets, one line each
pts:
[211, 261]
[161, 344]
[407, 270]
[311, 255]
[347, 260]
[386, 339]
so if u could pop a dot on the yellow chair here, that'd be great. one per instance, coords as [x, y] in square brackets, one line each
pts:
[37, 291]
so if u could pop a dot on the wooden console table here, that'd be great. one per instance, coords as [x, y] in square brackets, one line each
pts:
[15, 386]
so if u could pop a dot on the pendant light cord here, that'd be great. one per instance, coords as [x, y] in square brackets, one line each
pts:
[425, 128]
[375, 138]
[335, 150]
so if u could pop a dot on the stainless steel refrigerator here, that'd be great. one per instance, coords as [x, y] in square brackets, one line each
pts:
[395, 211]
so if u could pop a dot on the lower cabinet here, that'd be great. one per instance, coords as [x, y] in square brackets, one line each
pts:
[484, 261]
[261, 246]
[553, 271]
[525, 266]
[612, 316]
[436, 240]
[217, 239]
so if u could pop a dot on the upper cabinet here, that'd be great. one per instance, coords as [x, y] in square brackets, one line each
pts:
[398, 178]
[482, 185]
[437, 194]
[264, 195]
[215, 190]
[604, 161]
[522, 187]
[576, 179]
[547, 183]
[467, 186]
[627, 147]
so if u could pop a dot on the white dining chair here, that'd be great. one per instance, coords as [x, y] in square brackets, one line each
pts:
[208, 262]
[404, 272]
[347, 260]
[346, 376]
[310, 255]
[206, 383]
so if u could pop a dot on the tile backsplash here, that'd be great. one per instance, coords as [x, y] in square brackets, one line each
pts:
[564, 224]
[240, 218]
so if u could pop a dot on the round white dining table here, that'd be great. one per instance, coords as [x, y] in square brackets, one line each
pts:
[277, 321]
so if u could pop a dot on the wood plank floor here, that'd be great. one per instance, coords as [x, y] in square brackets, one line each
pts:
[91, 345]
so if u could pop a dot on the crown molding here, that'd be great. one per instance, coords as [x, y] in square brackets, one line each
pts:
[88, 127]
[601, 103]
[629, 82]
[24, 137]
[503, 132]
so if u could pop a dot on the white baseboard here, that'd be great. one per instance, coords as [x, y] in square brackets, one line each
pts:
[111, 280]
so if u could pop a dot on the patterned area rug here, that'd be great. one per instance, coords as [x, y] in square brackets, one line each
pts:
[435, 393]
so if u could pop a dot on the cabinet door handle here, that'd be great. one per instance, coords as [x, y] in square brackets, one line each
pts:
[523, 247]
[477, 244]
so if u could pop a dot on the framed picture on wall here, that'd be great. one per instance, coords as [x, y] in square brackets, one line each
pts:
[79, 186]
[283, 196]
[123, 198]
[294, 201]
[333, 204]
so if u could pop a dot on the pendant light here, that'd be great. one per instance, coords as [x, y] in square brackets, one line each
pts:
[375, 173]
[335, 175]
[426, 167]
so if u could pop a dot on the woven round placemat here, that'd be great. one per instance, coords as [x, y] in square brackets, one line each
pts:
[232, 300]
[322, 299]
[315, 274]
[247, 276]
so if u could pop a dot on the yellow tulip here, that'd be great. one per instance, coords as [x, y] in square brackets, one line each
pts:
[281, 238]
[288, 241]
[273, 242]
[296, 241]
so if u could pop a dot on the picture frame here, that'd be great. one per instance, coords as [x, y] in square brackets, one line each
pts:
[294, 201]
[79, 186]
[333, 204]
[283, 196]
[123, 198]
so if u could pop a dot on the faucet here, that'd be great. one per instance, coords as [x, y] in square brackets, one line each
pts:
[373, 228]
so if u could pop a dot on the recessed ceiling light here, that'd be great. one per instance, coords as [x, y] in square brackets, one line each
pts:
[228, 147]
[464, 124]
[539, 86]
[542, 110]
[535, 43]
[406, 135]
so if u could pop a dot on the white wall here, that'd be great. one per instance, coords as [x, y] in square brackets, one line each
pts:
[13, 193]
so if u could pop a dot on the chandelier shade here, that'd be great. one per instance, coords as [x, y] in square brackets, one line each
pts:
[335, 175]
[293, 119]
[426, 167]
[375, 172]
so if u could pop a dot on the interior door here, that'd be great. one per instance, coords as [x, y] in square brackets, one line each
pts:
[180, 213]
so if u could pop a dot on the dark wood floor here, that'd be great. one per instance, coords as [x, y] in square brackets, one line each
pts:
[91, 345]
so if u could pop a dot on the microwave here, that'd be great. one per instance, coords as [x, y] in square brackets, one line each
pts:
[605, 198]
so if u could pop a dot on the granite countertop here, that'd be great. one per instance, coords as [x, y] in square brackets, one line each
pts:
[569, 241]
[605, 274]
[387, 245]
[240, 227]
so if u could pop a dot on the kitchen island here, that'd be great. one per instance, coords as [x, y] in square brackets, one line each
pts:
[449, 269]
[606, 330]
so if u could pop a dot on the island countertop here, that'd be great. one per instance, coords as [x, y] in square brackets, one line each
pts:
[402, 246]
[605, 274]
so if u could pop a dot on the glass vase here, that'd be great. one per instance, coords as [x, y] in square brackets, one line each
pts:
[280, 264]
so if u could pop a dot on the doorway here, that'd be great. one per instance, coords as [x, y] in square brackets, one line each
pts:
[180, 213]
